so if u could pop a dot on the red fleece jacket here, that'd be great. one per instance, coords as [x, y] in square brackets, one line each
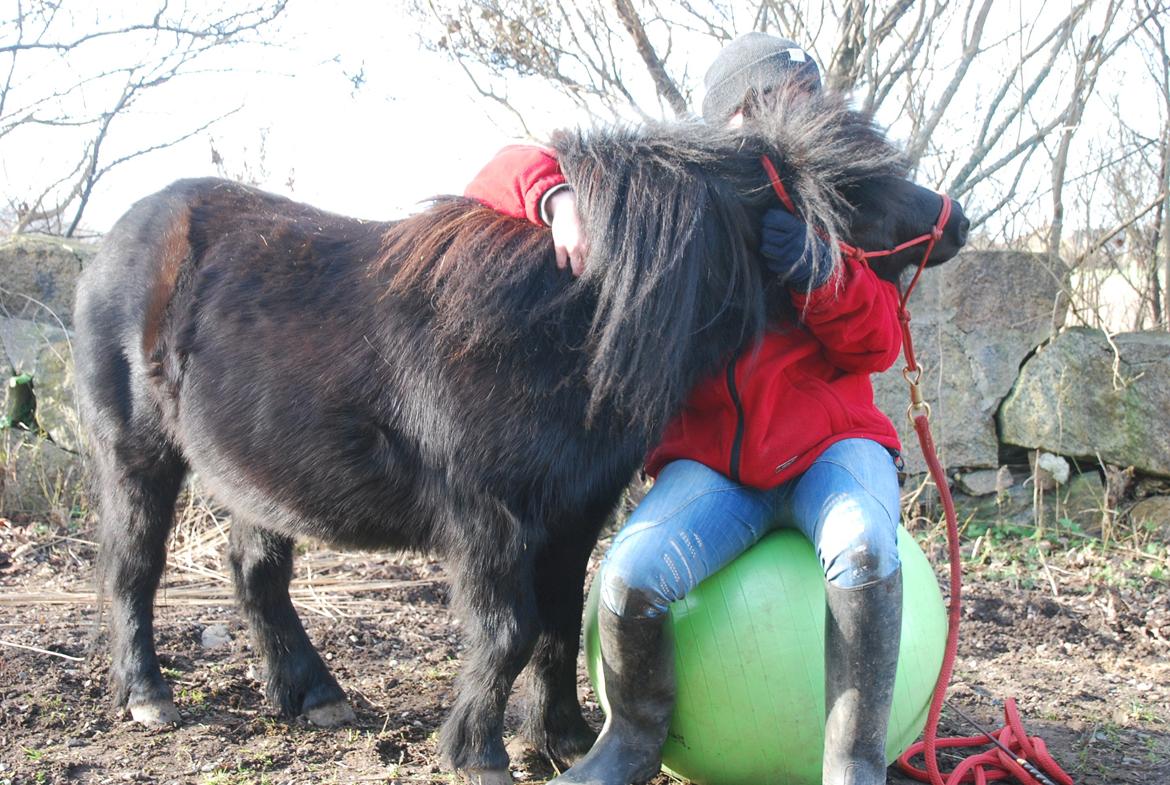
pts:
[771, 411]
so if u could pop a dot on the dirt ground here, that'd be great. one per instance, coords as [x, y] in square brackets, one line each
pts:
[1079, 634]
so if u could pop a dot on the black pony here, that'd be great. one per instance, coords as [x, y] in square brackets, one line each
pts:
[437, 384]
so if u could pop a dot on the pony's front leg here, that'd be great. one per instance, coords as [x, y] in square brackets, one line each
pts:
[496, 600]
[553, 724]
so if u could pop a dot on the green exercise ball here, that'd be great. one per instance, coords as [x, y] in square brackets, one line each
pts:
[749, 660]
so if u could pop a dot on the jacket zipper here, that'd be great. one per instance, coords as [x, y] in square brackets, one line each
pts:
[737, 442]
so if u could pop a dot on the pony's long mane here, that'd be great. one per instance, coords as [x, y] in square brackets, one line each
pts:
[671, 258]
[673, 282]
[489, 278]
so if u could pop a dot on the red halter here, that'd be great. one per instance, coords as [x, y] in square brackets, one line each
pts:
[853, 252]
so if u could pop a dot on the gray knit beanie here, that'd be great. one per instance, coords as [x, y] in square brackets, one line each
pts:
[754, 60]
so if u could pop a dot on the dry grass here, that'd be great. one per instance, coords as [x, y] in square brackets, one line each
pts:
[327, 583]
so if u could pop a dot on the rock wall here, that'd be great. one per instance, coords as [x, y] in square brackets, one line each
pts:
[974, 321]
[1005, 377]
[38, 276]
[1086, 396]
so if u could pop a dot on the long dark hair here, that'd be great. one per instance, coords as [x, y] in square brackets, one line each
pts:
[673, 282]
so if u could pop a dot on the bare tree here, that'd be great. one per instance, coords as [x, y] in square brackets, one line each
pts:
[1156, 52]
[995, 100]
[1114, 179]
[74, 83]
[912, 61]
[579, 48]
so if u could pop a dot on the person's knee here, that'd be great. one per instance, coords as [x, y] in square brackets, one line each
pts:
[634, 589]
[862, 563]
[860, 546]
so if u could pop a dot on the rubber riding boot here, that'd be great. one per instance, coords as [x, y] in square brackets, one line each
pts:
[863, 627]
[638, 662]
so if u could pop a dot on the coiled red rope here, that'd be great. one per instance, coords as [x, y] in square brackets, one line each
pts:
[994, 764]
[1027, 752]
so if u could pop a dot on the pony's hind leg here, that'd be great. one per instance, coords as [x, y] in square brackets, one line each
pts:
[137, 495]
[298, 681]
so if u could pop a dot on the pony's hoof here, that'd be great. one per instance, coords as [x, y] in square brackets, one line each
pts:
[331, 714]
[487, 776]
[155, 714]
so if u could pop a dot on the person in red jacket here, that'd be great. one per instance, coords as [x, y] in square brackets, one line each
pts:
[787, 435]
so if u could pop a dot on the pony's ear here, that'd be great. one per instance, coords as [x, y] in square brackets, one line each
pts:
[667, 260]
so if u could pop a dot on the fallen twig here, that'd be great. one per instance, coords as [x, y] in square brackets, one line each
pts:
[16, 645]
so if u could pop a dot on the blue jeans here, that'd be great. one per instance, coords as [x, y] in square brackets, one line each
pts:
[694, 521]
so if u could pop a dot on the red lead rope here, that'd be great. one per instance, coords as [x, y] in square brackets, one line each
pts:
[1031, 764]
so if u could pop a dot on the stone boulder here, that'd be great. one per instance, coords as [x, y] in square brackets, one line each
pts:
[1153, 514]
[44, 269]
[1081, 397]
[974, 320]
[1080, 503]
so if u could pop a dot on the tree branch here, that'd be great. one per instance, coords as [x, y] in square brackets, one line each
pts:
[666, 87]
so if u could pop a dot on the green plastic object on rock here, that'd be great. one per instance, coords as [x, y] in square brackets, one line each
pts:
[749, 660]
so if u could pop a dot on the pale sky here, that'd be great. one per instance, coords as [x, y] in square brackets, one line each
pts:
[414, 129]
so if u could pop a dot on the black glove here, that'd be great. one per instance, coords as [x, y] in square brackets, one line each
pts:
[790, 255]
